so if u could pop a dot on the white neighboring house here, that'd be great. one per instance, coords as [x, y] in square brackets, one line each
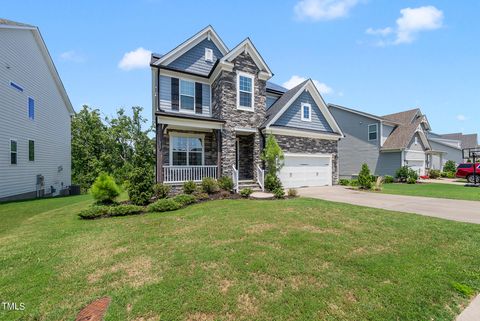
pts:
[35, 116]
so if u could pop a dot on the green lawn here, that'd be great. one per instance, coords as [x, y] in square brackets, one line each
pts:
[300, 259]
[437, 190]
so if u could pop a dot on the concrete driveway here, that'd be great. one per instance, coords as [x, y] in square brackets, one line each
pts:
[455, 210]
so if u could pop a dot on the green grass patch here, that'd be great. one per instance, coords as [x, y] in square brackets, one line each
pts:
[297, 259]
[437, 190]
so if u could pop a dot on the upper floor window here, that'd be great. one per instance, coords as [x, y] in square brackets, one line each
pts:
[31, 150]
[187, 95]
[244, 91]
[31, 108]
[13, 152]
[208, 54]
[186, 150]
[306, 112]
[372, 132]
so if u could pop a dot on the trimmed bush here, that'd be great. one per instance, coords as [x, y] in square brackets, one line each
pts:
[201, 196]
[450, 167]
[164, 205]
[344, 181]
[272, 182]
[161, 190]
[246, 192]
[185, 199]
[279, 193]
[354, 182]
[122, 210]
[404, 173]
[225, 183]
[140, 185]
[94, 212]
[189, 187]
[104, 190]
[365, 178]
[434, 173]
[292, 192]
[209, 185]
[388, 179]
[411, 180]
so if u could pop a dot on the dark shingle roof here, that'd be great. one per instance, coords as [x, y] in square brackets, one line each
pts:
[402, 135]
[404, 117]
[14, 23]
[467, 141]
[275, 87]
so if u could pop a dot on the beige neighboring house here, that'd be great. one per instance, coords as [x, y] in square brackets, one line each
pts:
[35, 114]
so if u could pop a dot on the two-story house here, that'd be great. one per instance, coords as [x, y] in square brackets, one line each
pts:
[213, 107]
[35, 113]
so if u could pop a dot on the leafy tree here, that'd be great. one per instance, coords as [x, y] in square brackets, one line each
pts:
[272, 155]
[364, 177]
[450, 167]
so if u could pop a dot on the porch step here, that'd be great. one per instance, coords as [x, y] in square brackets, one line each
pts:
[249, 184]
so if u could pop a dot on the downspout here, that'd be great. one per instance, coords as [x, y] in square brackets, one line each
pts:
[262, 146]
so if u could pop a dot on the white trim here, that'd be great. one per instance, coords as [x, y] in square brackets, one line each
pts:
[361, 113]
[180, 75]
[208, 54]
[376, 132]
[302, 114]
[245, 130]
[10, 151]
[247, 46]
[318, 155]
[300, 133]
[189, 123]
[206, 33]
[173, 134]
[252, 98]
[185, 110]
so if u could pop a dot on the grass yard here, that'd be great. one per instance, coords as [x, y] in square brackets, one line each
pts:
[437, 190]
[300, 259]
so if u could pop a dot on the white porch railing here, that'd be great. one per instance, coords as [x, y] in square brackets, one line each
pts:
[261, 178]
[235, 179]
[179, 174]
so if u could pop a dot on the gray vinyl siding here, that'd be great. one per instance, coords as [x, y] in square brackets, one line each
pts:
[166, 96]
[271, 99]
[388, 163]
[450, 152]
[292, 116]
[416, 147]
[194, 59]
[386, 131]
[51, 127]
[355, 148]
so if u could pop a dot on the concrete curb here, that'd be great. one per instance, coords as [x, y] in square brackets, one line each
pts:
[472, 312]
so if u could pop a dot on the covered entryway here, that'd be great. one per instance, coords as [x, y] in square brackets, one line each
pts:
[302, 170]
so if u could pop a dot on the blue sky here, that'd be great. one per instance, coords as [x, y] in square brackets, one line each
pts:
[377, 56]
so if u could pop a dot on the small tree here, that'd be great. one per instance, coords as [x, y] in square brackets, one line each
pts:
[104, 190]
[272, 155]
[449, 167]
[365, 178]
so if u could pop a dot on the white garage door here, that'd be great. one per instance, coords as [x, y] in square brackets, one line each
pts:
[418, 166]
[306, 170]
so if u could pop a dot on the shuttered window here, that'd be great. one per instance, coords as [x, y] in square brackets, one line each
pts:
[187, 96]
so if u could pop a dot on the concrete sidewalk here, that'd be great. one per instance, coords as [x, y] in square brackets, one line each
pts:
[472, 312]
[455, 210]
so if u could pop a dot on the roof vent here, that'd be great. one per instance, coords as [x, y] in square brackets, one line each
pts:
[208, 54]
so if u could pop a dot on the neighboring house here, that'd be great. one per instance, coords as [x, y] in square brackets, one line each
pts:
[35, 112]
[465, 141]
[448, 149]
[384, 143]
[214, 106]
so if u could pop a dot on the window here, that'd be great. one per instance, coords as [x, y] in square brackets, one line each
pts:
[13, 152]
[416, 140]
[465, 166]
[187, 95]
[31, 108]
[244, 92]
[31, 150]
[186, 150]
[372, 132]
[306, 112]
[208, 54]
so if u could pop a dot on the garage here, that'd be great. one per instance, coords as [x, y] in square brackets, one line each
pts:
[417, 165]
[302, 170]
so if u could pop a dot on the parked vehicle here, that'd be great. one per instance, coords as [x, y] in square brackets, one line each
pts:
[466, 171]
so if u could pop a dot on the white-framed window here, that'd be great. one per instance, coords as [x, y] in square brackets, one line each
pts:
[187, 95]
[373, 132]
[208, 54]
[306, 111]
[245, 83]
[13, 152]
[186, 149]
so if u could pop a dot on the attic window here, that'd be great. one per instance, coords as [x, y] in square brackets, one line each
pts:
[208, 54]
[372, 132]
[306, 112]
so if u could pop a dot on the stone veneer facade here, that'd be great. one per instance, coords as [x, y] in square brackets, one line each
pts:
[304, 145]
[224, 106]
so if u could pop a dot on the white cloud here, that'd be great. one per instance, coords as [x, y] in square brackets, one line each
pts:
[72, 55]
[461, 117]
[323, 88]
[323, 9]
[411, 22]
[136, 59]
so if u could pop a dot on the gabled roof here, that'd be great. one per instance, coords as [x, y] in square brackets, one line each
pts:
[207, 32]
[286, 100]
[272, 87]
[9, 24]
[467, 141]
[403, 134]
[404, 117]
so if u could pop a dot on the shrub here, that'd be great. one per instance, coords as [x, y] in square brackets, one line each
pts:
[463, 289]
[122, 210]
[404, 173]
[225, 183]
[434, 173]
[209, 185]
[450, 167]
[450, 174]
[354, 182]
[140, 185]
[292, 192]
[344, 181]
[411, 180]
[189, 187]
[202, 196]
[161, 190]
[272, 182]
[443, 174]
[164, 205]
[185, 199]
[104, 189]
[246, 192]
[279, 193]
[365, 178]
[94, 212]
[388, 179]
[272, 155]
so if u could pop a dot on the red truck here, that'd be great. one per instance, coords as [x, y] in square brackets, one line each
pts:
[466, 171]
